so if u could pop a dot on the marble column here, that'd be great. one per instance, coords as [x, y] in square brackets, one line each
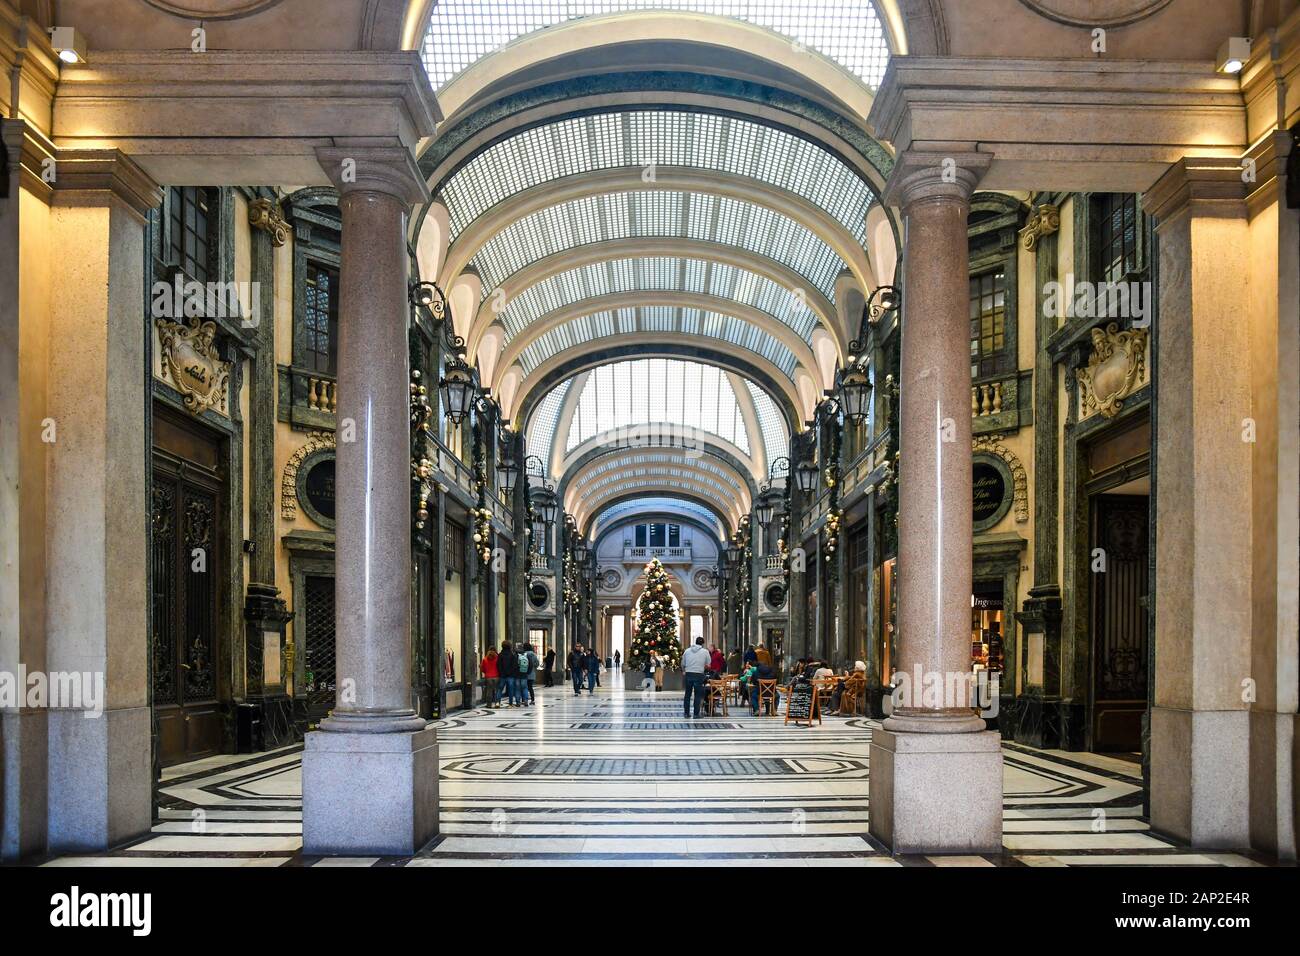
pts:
[936, 781]
[370, 773]
[1200, 722]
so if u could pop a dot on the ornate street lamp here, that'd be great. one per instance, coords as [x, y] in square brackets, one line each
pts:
[763, 511]
[507, 471]
[733, 555]
[855, 393]
[458, 391]
[580, 553]
[805, 476]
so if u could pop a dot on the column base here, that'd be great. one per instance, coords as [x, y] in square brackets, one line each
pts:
[936, 793]
[369, 794]
[1200, 776]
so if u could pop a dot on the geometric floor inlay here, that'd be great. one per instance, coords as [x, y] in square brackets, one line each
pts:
[620, 778]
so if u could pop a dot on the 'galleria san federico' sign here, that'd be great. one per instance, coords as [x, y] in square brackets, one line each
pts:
[990, 492]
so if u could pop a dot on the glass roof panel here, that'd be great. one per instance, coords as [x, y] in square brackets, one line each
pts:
[541, 429]
[657, 214]
[771, 423]
[643, 138]
[846, 31]
[634, 392]
[666, 274]
[657, 319]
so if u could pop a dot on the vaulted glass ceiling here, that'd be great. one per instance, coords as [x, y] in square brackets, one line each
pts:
[541, 427]
[660, 273]
[770, 423]
[847, 31]
[658, 214]
[646, 391]
[656, 138]
[657, 319]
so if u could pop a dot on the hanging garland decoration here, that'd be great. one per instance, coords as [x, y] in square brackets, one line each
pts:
[421, 466]
[482, 513]
[834, 514]
[656, 621]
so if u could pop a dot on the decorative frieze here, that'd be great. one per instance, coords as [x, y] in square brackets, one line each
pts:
[1116, 369]
[316, 441]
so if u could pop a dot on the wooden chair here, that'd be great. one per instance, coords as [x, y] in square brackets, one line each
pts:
[717, 697]
[823, 689]
[767, 690]
[733, 689]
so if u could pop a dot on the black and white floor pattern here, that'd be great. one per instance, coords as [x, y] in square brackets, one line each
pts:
[619, 778]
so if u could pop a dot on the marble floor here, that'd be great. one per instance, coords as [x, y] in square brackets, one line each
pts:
[619, 778]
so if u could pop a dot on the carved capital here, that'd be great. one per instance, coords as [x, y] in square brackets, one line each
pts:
[390, 170]
[922, 175]
[265, 214]
[1043, 221]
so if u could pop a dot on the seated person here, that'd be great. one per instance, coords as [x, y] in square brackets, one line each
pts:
[747, 678]
[859, 671]
[762, 672]
[822, 671]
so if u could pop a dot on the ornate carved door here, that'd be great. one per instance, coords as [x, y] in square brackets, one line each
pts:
[187, 575]
[1119, 621]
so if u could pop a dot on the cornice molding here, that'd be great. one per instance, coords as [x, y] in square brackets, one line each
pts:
[1139, 116]
[1206, 187]
[263, 113]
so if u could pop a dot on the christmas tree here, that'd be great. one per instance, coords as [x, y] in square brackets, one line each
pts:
[656, 622]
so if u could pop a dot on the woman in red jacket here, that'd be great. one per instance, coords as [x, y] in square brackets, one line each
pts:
[716, 661]
[488, 666]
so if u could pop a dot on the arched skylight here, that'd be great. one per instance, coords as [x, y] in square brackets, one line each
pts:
[656, 319]
[660, 214]
[638, 140]
[656, 392]
[658, 274]
[541, 428]
[771, 423]
[846, 31]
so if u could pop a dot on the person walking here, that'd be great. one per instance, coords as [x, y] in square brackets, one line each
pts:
[576, 668]
[508, 668]
[548, 671]
[763, 654]
[657, 664]
[593, 670]
[532, 671]
[618, 661]
[751, 656]
[694, 664]
[488, 667]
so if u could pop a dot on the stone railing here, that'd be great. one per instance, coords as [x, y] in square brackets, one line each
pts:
[772, 562]
[986, 399]
[307, 398]
[665, 555]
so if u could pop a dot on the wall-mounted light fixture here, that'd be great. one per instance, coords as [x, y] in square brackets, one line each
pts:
[1233, 55]
[69, 44]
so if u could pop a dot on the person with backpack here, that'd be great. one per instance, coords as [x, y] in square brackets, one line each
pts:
[508, 668]
[530, 656]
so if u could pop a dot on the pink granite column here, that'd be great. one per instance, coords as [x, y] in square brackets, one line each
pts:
[936, 774]
[372, 563]
[934, 488]
[370, 775]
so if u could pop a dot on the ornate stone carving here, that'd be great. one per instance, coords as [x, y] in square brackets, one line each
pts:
[1043, 221]
[1095, 13]
[1019, 478]
[265, 214]
[316, 441]
[1116, 369]
[191, 364]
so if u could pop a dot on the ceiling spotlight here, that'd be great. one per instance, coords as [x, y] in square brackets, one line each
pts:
[1233, 55]
[68, 44]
